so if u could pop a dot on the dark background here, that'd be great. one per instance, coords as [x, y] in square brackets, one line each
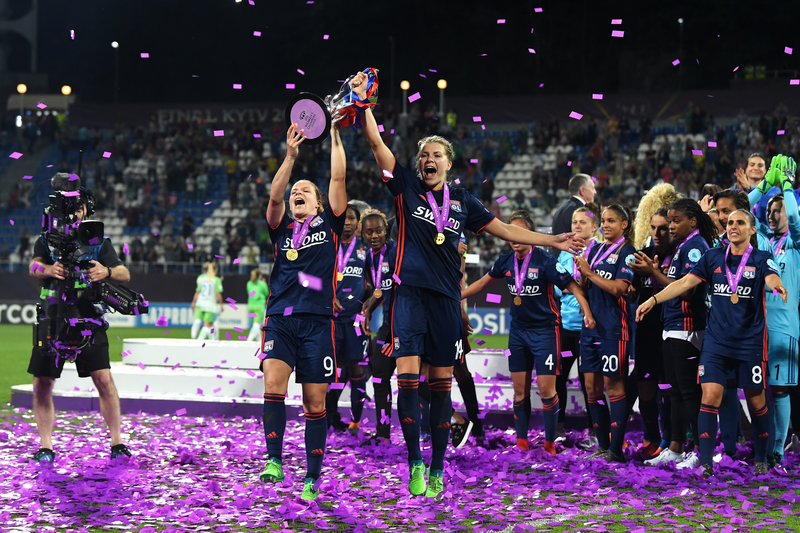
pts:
[574, 48]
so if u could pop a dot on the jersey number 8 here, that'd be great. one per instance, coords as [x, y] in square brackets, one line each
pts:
[757, 376]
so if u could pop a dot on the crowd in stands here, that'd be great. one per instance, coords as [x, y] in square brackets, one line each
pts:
[164, 178]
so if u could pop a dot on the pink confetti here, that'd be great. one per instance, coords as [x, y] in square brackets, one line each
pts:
[493, 298]
[501, 21]
[309, 282]
[576, 116]
[219, 133]
[396, 279]
[787, 50]
[476, 119]
[737, 68]
[617, 33]
[538, 10]
[125, 248]
[387, 174]
[697, 152]
[41, 105]
[288, 311]
[473, 161]
[145, 55]
[237, 85]
[207, 203]
[541, 85]
[256, 33]
[236, 261]
[531, 51]
[141, 365]
[457, 181]
[190, 246]
[502, 199]
[616, 22]
[106, 154]
[301, 72]
[780, 132]
[569, 163]
[566, 354]
[597, 96]
[483, 126]
[15, 155]
[791, 82]
[325, 37]
[414, 97]
[712, 144]
[423, 76]
[676, 62]
[290, 85]
[27, 177]
[380, 128]
[334, 386]
[180, 412]
[12, 222]
[663, 386]
[72, 34]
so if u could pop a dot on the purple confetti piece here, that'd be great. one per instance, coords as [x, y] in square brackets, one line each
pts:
[256, 33]
[569, 163]
[41, 105]
[538, 10]
[180, 412]
[141, 365]
[531, 51]
[12, 222]
[493, 298]
[501, 21]
[236, 261]
[15, 155]
[617, 33]
[219, 133]
[697, 152]
[309, 282]
[237, 85]
[616, 22]
[780, 132]
[712, 144]
[380, 128]
[501, 199]
[791, 82]
[301, 72]
[664, 386]
[676, 62]
[576, 116]
[334, 386]
[290, 85]
[787, 50]
[396, 279]
[72, 34]
[145, 55]
[566, 354]
[414, 97]
[597, 97]
[326, 37]
[476, 119]
[288, 311]
[27, 177]
[457, 181]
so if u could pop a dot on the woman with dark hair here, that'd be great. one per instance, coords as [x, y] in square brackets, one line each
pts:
[532, 276]
[693, 233]
[737, 274]
[607, 276]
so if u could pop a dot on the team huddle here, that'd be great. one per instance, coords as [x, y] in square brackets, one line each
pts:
[690, 303]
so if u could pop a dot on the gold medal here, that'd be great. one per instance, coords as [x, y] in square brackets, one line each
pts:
[439, 238]
[378, 294]
[734, 298]
[517, 300]
[291, 254]
[339, 276]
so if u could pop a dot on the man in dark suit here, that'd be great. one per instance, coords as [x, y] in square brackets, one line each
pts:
[582, 191]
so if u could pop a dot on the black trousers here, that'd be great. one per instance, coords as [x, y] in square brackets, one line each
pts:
[570, 341]
[681, 360]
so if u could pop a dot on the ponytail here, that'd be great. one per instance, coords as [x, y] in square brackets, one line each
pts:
[210, 269]
[254, 275]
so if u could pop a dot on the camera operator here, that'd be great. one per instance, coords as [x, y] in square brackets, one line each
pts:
[93, 360]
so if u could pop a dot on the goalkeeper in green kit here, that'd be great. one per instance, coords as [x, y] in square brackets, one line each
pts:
[257, 293]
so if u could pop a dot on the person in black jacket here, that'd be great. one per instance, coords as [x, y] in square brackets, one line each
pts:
[582, 190]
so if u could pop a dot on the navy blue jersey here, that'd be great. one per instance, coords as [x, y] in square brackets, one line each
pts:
[351, 290]
[539, 308]
[736, 330]
[651, 325]
[387, 282]
[679, 314]
[420, 262]
[611, 314]
[316, 257]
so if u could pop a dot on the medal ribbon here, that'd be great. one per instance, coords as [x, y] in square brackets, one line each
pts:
[733, 281]
[576, 274]
[600, 258]
[299, 232]
[376, 273]
[519, 280]
[780, 242]
[668, 260]
[440, 218]
[343, 260]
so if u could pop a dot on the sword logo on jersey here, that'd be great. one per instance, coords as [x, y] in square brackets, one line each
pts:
[604, 274]
[424, 213]
[312, 239]
[356, 271]
[722, 289]
[527, 290]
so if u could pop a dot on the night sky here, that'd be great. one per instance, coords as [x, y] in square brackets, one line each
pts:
[572, 39]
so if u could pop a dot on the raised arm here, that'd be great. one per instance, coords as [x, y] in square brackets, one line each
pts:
[478, 286]
[277, 207]
[337, 193]
[383, 156]
[790, 200]
[566, 241]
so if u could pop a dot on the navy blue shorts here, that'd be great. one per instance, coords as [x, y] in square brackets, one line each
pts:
[428, 324]
[305, 343]
[750, 373]
[350, 346]
[539, 348]
[609, 356]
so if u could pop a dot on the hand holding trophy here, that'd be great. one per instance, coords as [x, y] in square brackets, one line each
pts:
[315, 115]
